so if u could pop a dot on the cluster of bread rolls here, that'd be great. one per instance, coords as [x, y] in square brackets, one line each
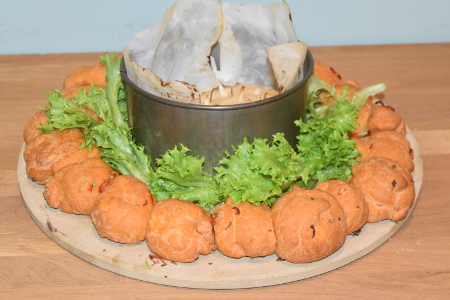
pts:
[383, 173]
[303, 226]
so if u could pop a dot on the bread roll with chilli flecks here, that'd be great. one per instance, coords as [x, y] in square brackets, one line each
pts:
[352, 201]
[387, 186]
[388, 144]
[309, 225]
[75, 188]
[122, 210]
[244, 229]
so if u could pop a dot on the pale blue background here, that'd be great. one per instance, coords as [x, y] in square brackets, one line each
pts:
[52, 26]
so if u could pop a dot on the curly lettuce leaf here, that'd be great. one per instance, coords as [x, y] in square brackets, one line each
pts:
[181, 176]
[258, 172]
[65, 114]
[325, 149]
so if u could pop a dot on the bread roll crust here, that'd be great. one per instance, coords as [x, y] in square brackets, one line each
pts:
[179, 231]
[352, 201]
[387, 186]
[244, 230]
[122, 210]
[30, 131]
[309, 225]
[50, 152]
[376, 116]
[75, 188]
[388, 144]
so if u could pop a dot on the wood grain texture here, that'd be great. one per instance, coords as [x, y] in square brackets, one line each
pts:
[412, 265]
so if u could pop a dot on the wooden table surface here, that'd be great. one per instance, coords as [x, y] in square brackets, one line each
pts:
[414, 264]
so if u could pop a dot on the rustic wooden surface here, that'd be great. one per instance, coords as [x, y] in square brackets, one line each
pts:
[414, 264]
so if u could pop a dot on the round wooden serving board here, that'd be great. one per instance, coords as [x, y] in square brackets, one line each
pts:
[77, 235]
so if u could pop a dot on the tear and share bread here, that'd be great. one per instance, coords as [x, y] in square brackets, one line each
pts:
[244, 230]
[388, 144]
[30, 132]
[122, 210]
[376, 116]
[180, 231]
[309, 225]
[352, 201]
[75, 188]
[387, 186]
[50, 152]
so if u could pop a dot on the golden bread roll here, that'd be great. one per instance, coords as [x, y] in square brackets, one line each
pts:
[122, 210]
[388, 144]
[30, 131]
[95, 74]
[352, 201]
[244, 229]
[387, 186]
[376, 116]
[180, 231]
[75, 188]
[50, 152]
[309, 225]
[326, 73]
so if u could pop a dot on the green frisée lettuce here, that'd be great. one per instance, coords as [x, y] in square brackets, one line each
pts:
[325, 148]
[181, 176]
[256, 172]
[324, 145]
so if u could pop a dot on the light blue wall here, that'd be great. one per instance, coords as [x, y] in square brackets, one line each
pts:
[54, 26]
